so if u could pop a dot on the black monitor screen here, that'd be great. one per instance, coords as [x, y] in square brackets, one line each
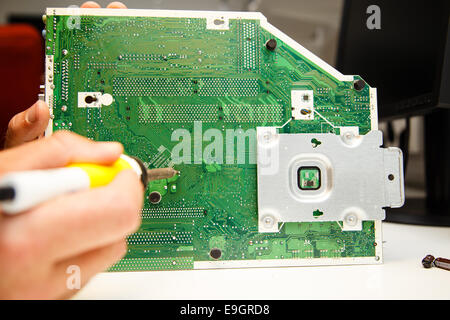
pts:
[400, 52]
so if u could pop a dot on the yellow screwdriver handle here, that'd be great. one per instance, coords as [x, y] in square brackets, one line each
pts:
[101, 175]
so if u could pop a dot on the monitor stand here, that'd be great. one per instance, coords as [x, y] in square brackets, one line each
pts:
[435, 209]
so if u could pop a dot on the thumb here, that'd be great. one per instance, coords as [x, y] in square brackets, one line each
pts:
[27, 125]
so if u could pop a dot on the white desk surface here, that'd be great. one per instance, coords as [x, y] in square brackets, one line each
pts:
[400, 277]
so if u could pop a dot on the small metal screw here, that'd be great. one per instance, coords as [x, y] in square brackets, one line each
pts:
[267, 137]
[349, 138]
[427, 262]
[268, 221]
[442, 263]
[351, 219]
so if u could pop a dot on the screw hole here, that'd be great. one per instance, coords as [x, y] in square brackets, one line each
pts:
[90, 99]
[155, 197]
[391, 177]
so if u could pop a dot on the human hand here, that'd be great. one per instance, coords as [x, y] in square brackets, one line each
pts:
[27, 125]
[85, 229]
[30, 124]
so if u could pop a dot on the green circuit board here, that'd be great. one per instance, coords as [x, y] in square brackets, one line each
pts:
[167, 74]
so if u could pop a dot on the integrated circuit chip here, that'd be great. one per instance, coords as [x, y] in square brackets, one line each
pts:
[309, 178]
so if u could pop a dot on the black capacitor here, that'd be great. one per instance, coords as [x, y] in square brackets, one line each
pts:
[271, 44]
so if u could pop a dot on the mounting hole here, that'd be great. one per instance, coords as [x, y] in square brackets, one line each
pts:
[154, 197]
[215, 253]
[391, 177]
[90, 99]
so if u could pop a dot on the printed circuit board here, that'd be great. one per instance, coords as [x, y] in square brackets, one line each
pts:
[189, 90]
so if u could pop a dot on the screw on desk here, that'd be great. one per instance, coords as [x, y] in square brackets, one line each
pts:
[442, 263]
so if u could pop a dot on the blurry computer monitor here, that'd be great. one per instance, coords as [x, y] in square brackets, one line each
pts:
[402, 48]
[404, 58]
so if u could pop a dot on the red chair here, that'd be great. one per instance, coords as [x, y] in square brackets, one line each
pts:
[21, 71]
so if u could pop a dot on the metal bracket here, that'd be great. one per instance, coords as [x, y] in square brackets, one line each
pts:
[358, 178]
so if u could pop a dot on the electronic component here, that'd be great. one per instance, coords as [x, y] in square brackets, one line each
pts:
[279, 152]
[154, 197]
[302, 104]
[305, 176]
[308, 178]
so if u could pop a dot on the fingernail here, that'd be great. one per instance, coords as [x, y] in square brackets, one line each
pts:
[32, 114]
